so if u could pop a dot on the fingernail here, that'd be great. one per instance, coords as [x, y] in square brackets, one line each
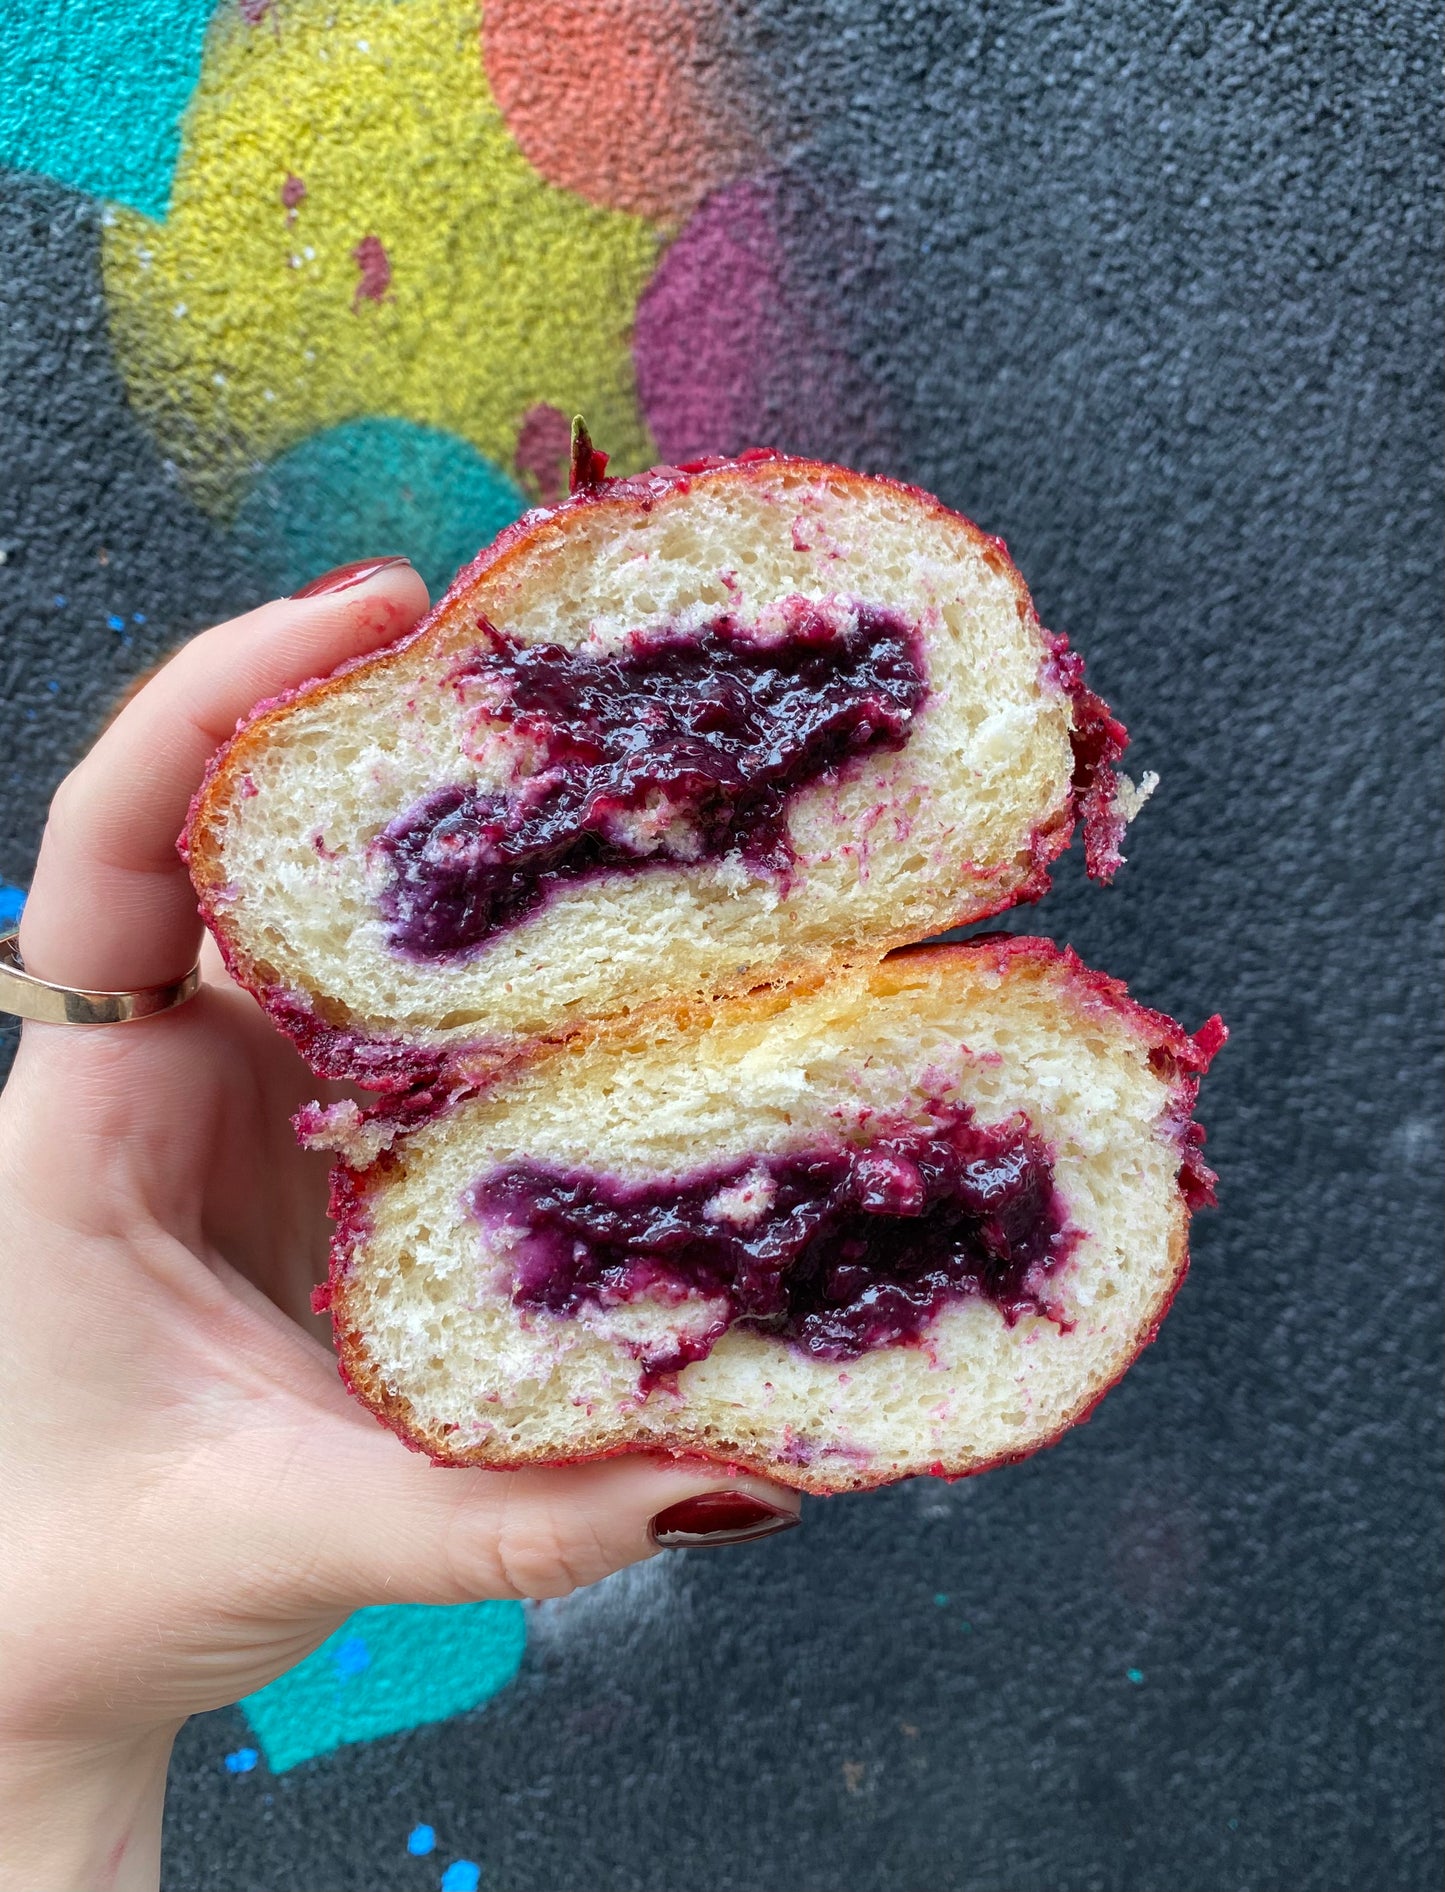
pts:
[719, 1517]
[345, 576]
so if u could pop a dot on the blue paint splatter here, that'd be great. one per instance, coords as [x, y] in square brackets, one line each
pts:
[137, 617]
[12, 904]
[372, 487]
[420, 1841]
[59, 601]
[94, 95]
[242, 1761]
[352, 1657]
[1136, 1676]
[115, 623]
[462, 1875]
[424, 1663]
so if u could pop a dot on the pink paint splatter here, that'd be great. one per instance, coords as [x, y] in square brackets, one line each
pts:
[544, 447]
[374, 264]
[293, 192]
[253, 11]
[740, 335]
[703, 334]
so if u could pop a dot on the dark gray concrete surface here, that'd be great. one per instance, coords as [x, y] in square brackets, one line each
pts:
[1155, 292]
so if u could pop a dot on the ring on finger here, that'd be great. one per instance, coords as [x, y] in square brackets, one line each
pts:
[24, 995]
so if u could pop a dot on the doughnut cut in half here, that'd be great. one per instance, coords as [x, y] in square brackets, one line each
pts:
[680, 736]
[914, 1218]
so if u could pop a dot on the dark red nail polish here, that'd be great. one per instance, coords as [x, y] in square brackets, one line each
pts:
[345, 576]
[719, 1517]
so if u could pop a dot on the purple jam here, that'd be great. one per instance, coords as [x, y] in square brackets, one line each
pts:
[678, 746]
[835, 1248]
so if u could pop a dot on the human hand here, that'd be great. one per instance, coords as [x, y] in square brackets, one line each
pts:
[194, 1503]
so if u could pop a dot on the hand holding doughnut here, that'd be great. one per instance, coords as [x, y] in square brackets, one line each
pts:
[193, 1501]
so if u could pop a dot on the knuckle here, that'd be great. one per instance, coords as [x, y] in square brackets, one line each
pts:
[525, 1544]
[79, 809]
[65, 802]
[542, 1554]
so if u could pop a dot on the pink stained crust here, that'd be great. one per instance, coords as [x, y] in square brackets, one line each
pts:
[392, 1066]
[1099, 740]
[347, 1206]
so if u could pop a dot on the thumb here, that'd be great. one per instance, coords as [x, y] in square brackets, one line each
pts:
[383, 1525]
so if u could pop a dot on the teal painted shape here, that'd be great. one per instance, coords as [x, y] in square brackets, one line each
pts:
[373, 487]
[93, 92]
[386, 1670]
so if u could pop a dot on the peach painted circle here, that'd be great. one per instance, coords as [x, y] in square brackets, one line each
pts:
[638, 105]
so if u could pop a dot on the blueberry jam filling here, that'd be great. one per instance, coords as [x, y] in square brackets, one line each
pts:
[834, 1248]
[681, 745]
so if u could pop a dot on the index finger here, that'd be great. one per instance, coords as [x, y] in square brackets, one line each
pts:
[111, 905]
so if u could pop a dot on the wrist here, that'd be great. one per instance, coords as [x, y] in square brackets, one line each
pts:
[83, 1817]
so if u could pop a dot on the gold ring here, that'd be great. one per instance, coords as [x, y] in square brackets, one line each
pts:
[25, 996]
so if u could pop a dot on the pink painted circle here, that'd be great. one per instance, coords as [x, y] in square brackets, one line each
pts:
[741, 340]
